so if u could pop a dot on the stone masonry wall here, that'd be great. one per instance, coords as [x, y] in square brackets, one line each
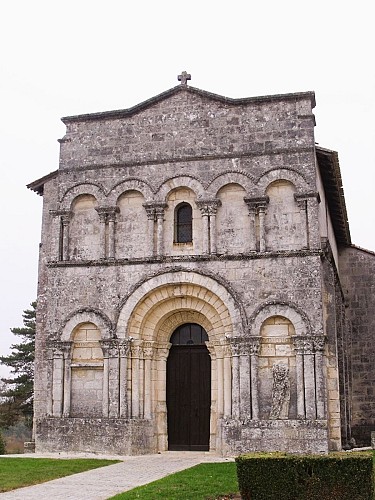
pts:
[99, 230]
[357, 270]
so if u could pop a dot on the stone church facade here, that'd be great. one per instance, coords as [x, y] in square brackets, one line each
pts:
[198, 288]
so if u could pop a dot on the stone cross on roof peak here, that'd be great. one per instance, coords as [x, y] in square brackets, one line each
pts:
[184, 77]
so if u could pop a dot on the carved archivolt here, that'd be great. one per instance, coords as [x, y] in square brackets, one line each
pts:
[230, 177]
[287, 174]
[180, 182]
[134, 184]
[296, 317]
[87, 316]
[150, 305]
[69, 196]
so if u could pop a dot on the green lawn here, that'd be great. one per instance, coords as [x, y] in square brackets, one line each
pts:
[200, 482]
[18, 472]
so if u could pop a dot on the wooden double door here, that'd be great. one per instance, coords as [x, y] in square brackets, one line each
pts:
[189, 390]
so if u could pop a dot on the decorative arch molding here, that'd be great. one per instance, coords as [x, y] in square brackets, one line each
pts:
[131, 184]
[160, 304]
[186, 181]
[178, 277]
[297, 317]
[246, 181]
[171, 321]
[70, 194]
[87, 316]
[278, 174]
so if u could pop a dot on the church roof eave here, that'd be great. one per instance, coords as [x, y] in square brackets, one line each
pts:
[329, 167]
[123, 113]
[38, 185]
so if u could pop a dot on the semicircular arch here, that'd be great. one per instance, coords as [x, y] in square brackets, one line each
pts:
[73, 192]
[278, 174]
[180, 182]
[133, 184]
[299, 319]
[194, 286]
[87, 316]
[245, 181]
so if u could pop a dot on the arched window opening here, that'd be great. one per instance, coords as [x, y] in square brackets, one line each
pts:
[189, 334]
[183, 223]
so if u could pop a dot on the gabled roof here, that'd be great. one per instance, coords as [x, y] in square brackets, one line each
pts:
[329, 168]
[123, 113]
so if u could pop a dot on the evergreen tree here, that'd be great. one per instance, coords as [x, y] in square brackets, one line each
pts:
[18, 390]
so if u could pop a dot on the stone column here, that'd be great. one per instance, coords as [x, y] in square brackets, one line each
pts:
[308, 203]
[257, 206]
[212, 210]
[111, 369]
[235, 348]
[245, 379]
[111, 218]
[65, 220]
[262, 232]
[67, 353]
[319, 343]
[136, 355]
[220, 379]
[205, 228]
[58, 382]
[56, 240]
[148, 354]
[300, 383]
[252, 228]
[302, 205]
[49, 387]
[105, 404]
[309, 377]
[254, 344]
[150, 211]
[124, 348]
[159, 212]
[161, 395]
[102, 228]
[227, 380]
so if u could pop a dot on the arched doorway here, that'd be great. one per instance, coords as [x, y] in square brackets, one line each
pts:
[189, 389]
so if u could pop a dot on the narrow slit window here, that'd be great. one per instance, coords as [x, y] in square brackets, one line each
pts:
[183, 223]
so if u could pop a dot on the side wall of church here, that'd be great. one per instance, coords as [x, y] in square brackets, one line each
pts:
[357, 270]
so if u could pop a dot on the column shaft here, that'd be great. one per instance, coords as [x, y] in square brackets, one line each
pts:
[111, 238]
[262, 233]
[205, 235]
[254, 386]
[67, 386]
[235, 387]
[213, 238]
[309, 377]
[105, 387]
[227, 386]
[300, 387]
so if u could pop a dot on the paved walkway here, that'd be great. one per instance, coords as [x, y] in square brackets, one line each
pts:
[102, 483]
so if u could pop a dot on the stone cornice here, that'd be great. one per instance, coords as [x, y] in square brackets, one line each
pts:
[188, 258]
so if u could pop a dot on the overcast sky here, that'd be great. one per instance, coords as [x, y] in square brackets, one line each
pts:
[74, 57]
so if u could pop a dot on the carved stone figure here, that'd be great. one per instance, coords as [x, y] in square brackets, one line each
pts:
[280, 392]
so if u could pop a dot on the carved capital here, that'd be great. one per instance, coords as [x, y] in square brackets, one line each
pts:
[148, 350]
[319, 343]
[257, 204]
[208, 207]
[303, 344]
[110, 348]
[124, 346]
[254, 345]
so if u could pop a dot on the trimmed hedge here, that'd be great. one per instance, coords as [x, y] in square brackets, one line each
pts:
[280, 476]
